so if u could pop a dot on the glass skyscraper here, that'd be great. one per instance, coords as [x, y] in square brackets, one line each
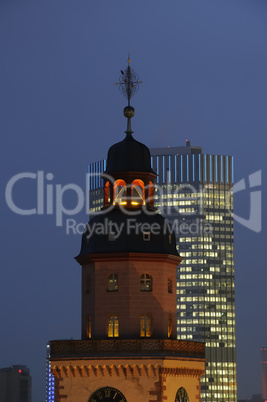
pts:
[194, 193]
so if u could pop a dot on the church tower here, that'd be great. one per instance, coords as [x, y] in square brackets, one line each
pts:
[129, 351]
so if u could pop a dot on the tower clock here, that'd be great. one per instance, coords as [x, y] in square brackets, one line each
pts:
[107, 394]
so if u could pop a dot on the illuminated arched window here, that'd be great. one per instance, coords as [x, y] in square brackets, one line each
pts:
[169, 284]
[181, 395]
[146, 283]
[138, 192]
[107, 194]
[145, 326]
[113, 284]
[113, 326]
[120, 192]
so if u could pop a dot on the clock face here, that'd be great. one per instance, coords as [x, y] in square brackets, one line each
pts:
[181, 395]
[107, 394]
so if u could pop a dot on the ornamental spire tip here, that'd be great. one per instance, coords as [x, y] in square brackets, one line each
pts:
[128, 82]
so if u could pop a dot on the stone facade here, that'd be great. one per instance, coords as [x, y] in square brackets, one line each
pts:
[142, 370]
[138, 379]
[129, 303]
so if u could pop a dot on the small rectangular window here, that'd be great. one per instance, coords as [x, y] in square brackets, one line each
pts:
[146, 236]
[146, 283]
[145, 326]
[88, 327]
[169, 285]
[113, 326]
[113, 283]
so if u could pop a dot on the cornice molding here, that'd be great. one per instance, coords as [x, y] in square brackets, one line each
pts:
[121, 370]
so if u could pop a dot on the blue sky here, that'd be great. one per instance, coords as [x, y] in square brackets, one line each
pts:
[203, 64]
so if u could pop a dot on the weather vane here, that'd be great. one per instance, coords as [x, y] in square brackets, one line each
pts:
[128, 82]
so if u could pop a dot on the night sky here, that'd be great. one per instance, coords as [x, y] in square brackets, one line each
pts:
[203, 64]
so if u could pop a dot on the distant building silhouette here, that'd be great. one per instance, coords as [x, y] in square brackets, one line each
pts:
[264, 373]
[15, 384]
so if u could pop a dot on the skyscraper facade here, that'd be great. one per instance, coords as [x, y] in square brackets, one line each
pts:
[193, 190]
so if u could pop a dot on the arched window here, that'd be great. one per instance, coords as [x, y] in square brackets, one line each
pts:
[181, 395]
[107, 194]
[145, 326]
[138, 192]
[113, 326]
[169, 284]
[146, 283]
[113, 284]
[120, 192]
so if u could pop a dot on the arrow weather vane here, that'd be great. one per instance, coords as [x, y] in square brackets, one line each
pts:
[128, 82]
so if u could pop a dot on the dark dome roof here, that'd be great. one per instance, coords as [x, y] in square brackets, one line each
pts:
[96, 238]
[129, 155]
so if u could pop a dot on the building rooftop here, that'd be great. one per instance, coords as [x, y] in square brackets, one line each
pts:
[182, 150]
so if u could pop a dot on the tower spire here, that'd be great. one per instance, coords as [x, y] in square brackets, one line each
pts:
[129, 85]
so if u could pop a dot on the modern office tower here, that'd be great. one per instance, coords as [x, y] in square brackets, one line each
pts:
[129, 349]
[264, 373]
[15, 384]
[193, 190]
